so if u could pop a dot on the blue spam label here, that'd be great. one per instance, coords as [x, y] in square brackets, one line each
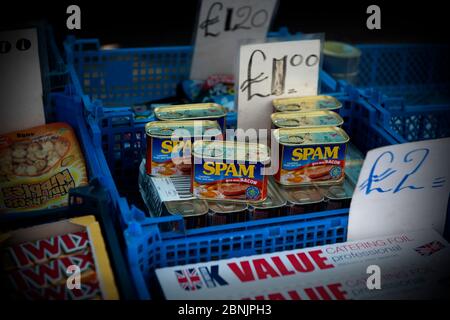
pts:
[242, 181]
[311, 163]
[162, 152]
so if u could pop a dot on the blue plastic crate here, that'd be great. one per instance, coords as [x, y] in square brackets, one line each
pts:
[410, 87]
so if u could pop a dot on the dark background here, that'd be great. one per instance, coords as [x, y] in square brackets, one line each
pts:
[168, 22]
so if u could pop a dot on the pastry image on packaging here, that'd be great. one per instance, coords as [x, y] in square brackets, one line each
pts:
[162, 143]
[38, 166]
[229, 171]
[313, 119]
[197, 111]
[305, 104]
[36, 261]
[311, 155]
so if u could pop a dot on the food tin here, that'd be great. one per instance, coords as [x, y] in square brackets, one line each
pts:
[311, 155]
[169, 144]
[338, 196]
[306, 104]
[303, 199]
[225, 212]
[198, 111]
[313, 119]
[193, 212]
[229, 171]
[274, 205]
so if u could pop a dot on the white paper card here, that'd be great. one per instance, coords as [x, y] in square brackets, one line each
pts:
[20, 85]
[222, 24]
[412, 264]
[274, 70]
[400, 188]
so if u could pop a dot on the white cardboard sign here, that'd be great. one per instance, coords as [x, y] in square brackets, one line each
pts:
[222, 24]
[411, 264]
[400, 188]
[21, 84]
[274, 70]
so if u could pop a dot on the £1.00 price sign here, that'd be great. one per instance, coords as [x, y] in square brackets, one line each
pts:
[274, 70]
[222, 24]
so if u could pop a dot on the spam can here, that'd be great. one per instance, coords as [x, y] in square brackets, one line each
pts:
[193, 212]
[225, 212]
[197, 111]
[306, 104]
[338, 196]
[313, 119]
[169, 144]
[274, 205]
[229, 171]
[303, 199]
[311, 155]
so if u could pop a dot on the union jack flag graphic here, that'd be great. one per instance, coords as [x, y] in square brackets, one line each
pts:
[430, 248]
[189, 279]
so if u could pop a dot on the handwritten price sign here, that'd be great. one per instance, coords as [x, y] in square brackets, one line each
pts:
[400, 188]
[222, 24]
[274, 70]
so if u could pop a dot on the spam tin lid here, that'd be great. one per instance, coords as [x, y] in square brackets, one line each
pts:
[190, 111]
[302, 195]
[195, 128]
[226, 206]
[187, 208]
[310, 136]
[274, 198]
[341, 191]
[305, 104]
[231, 150]
[311, 119]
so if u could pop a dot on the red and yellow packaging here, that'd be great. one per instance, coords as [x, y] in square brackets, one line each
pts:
[38, 166]
[36, 260]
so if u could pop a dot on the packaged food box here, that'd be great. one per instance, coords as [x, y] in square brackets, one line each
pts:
[45, 262]
[38, 167]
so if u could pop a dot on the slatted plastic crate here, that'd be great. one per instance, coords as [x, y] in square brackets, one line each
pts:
[115, 79]
[410, 86]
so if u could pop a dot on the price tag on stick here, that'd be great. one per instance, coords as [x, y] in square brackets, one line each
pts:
[274, 70]
[222, 24]
[401, 188]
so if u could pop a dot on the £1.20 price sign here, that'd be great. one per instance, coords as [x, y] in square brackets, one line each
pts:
[222, 25]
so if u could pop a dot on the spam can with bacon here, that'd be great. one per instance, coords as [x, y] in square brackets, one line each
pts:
[169, 144]
[197, 111]
[306, 104]
[311, 155]
[313, 119]
[229, 171]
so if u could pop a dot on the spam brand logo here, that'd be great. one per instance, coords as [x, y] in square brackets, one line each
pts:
[315, 153]
[168, 146]
[229, 169]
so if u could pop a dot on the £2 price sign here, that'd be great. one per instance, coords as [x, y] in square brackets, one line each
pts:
[222, 24]
[274, 70]
[401, 188]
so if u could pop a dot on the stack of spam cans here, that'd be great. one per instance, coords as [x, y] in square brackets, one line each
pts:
[211, 182]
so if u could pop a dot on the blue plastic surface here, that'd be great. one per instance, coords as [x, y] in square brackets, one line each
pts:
[410, 86]
[119, 141]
